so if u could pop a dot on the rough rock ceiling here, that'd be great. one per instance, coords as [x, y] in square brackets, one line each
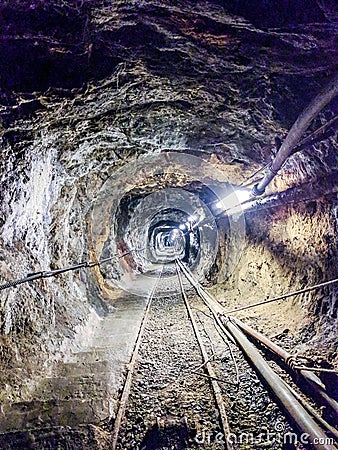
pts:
[90, 87]
[217, 78]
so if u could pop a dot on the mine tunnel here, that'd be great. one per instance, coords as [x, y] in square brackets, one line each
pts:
[168, 224]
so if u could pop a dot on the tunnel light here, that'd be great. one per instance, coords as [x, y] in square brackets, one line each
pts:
[234, 200]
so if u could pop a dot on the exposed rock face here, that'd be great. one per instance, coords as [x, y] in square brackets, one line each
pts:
[105, 104]
[285, 250]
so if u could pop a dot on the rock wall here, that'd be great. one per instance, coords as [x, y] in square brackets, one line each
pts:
[287, 249]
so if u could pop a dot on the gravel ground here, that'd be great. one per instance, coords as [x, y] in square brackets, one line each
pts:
[168, 406]
[171, 408]
[254, 418]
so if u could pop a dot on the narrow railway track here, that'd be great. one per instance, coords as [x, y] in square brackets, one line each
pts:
[188, 384]
[163, 410]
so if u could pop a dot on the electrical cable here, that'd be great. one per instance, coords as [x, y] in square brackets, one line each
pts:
[246, 183]
[282, 297]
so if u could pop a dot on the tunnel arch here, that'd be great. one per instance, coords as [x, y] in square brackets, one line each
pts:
[112, 224]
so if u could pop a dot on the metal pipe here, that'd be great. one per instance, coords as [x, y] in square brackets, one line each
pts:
[296, 412]
[263, 339]
[310, 377]
[297, 130]
[321, 133]
[302, 193]
[219, 310]
[313, 412]
[216, 309]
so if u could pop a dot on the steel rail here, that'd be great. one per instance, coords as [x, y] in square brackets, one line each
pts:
[216, 309]
[314, 381]
[211, 374]
[131, 366]
[295, 411]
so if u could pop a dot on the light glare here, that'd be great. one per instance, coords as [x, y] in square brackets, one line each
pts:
[234, 199]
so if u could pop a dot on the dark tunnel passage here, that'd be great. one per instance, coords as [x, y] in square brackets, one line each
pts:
[136, 240]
